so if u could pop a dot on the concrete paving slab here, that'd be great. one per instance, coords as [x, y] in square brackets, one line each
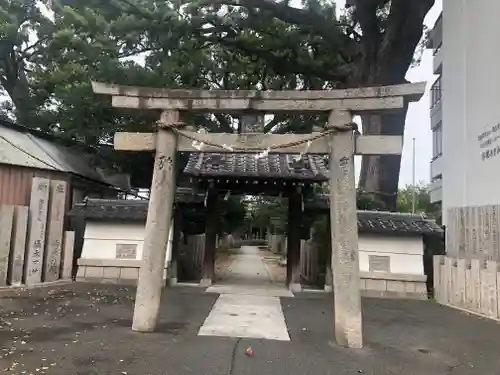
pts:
[248, 305]
[247, 316]
[250, 290]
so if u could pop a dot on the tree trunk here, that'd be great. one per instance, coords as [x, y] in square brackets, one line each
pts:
[380, 174]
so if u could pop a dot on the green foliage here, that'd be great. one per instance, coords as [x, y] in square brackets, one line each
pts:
[232, 215]
[47, 63]
[422, 201]
[268, 212]
[369, 202]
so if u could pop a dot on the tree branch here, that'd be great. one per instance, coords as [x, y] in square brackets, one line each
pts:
[225, 125]
[279, 64]
[404, 31]
[326, 28]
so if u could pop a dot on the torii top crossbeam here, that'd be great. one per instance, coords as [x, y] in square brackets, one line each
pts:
[354, 100]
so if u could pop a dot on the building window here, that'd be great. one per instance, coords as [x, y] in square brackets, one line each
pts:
[436, 92]
[437, 141]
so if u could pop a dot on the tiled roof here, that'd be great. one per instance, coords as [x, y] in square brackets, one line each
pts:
[395, 223]
[246, 165]
[111, 209]
[24, 147]
[126, 210]
[383, 222]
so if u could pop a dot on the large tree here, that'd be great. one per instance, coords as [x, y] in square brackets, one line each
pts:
[373, 44]
[206, 44]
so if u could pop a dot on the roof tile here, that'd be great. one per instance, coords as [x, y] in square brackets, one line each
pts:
[272, 166]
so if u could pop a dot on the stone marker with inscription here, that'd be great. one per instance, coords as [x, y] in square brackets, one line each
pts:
[6, 219]
[55, 230]
[18, 245]
[37, 228]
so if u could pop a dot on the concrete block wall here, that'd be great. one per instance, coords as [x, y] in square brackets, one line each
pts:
[385, 285]
[114, 271]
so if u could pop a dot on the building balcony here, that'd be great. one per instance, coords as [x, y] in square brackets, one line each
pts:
[436, 191]
[437, 61]
[436, 115]
[437, 167]
[435, 38]
[435, 93]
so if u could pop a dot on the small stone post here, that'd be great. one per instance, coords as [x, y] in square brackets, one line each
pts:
[176, 239]
[159, 219]
[293, 244]
[328, 271]
[68, 255]
[344, 233]
[18, 245]
[6, 220]
[211, 227]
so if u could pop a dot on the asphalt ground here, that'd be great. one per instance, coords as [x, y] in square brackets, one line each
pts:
[85, 329]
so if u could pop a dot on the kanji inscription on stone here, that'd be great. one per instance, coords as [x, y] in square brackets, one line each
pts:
[55, 230]
[126, 251]
[37, 228]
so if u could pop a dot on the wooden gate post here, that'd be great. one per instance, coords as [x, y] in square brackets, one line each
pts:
[344, 234]
[159, 219]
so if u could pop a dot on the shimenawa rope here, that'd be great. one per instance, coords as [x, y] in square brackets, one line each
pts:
[176, 128]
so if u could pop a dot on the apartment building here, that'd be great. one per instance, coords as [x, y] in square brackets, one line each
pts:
[435, 43]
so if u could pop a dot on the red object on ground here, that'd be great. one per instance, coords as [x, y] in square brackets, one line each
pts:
[249, 351]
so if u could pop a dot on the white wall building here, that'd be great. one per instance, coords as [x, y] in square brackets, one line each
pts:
[465, 118]
[465, 107]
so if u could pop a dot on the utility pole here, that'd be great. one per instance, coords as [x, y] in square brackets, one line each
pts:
[413, 190]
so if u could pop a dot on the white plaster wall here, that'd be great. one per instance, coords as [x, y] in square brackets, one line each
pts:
[405, 253]
[471, 101]
[101, 238]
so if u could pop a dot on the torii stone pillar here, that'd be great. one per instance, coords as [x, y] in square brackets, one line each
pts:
[344, 235]
[159, 220]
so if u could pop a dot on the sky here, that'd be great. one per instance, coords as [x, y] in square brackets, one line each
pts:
[418, 117]
[418, 123]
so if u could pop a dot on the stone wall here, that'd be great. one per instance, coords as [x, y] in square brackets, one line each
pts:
[471, 285]
[473, 232]
[114, 271]
[385, 285]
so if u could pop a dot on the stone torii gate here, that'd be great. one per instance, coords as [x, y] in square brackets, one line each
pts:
[338, 140]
